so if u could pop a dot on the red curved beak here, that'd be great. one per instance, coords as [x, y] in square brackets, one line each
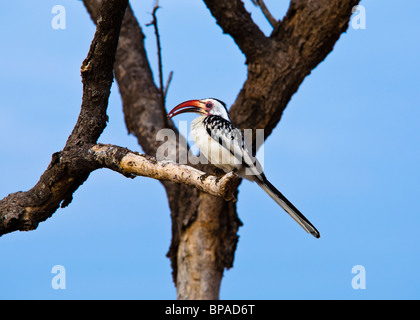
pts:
[195, 106]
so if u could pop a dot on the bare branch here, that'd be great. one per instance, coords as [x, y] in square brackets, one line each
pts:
[162, 89]
[69, 169]
[97, 75]
[154, 23]
[134, 164]
[266, 12]
[168, 82]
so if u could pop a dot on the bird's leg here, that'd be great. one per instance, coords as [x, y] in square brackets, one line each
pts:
[219, 173]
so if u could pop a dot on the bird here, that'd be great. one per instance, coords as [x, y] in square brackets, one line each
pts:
[224, 146]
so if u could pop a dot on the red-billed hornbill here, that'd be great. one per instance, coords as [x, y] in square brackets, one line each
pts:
[224, 146]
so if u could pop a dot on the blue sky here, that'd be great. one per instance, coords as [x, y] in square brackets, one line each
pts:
[346, 153]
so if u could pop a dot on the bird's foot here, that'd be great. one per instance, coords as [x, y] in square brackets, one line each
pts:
[204, 176]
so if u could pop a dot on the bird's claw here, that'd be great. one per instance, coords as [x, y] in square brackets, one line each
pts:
[204, 177]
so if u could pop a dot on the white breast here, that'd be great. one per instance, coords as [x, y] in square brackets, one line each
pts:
[211, 149]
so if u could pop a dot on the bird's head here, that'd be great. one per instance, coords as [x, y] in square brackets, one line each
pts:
[204, 107]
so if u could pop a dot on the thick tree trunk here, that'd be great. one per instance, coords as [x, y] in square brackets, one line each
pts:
[206, 247]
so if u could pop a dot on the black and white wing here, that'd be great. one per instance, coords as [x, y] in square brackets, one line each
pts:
[240, 158]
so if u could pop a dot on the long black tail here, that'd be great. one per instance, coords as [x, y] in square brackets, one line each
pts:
[281, 200]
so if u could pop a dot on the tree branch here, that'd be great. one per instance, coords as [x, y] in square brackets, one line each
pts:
[162, 90]
[301, 41]
[278, 65]
[168, 82]
[233, 18]
[267, 14]
[69, 168]
[133, 164]
[143, 112]
[97, 75]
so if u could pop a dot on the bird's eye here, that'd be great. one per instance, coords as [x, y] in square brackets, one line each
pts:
[209, 104]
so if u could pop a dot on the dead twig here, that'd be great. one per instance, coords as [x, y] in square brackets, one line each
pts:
[162, 89]
[266, 12]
